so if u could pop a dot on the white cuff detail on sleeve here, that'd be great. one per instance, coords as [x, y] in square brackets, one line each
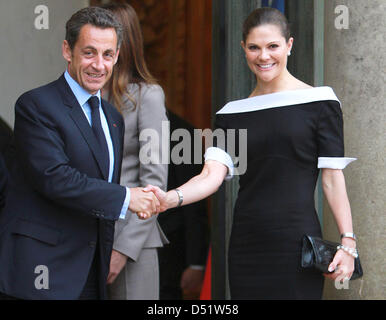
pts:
[334, 162]
[217, 154]
[126, 204]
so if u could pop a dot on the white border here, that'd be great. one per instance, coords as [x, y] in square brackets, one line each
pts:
[279, 99]
[217, 154]
[334, 162]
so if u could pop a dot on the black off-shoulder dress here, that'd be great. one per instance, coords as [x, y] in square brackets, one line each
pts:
[290, 136]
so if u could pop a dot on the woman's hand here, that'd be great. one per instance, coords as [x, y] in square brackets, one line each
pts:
[342, 264]
[117, 263]
[161, 196]
[162, 201]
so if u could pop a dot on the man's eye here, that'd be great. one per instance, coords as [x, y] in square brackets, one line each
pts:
[109, 55]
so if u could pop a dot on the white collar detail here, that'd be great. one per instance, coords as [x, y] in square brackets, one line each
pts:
[279, 99]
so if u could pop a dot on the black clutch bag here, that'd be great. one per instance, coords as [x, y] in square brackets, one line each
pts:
[318, 253]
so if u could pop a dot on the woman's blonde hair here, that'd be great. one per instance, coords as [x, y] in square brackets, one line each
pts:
[131, 66]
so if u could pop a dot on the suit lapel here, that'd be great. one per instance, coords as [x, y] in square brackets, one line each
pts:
[80, 120]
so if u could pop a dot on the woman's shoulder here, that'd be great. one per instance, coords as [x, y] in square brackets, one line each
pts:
[142, 95]
[145, 89]
[149, 99]
[306, 94]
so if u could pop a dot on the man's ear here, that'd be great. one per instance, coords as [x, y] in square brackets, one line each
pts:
[66, 51]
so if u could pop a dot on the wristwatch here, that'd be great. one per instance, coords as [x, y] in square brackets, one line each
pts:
[348, 235]
[180, 197]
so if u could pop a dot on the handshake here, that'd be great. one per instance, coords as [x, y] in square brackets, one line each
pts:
[149, 201]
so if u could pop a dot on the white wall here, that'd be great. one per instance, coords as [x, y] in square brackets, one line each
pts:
[355, 64]
[30, 57]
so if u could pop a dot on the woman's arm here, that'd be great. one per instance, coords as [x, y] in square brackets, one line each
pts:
[334, 188]
[196, 189]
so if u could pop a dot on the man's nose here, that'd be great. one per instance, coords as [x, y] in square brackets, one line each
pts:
[98, 62]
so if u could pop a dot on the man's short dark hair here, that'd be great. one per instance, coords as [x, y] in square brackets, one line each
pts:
[94, 16]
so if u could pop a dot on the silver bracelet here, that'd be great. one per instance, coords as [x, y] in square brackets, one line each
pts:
[180, 197]
[351, 251]
[348, 235]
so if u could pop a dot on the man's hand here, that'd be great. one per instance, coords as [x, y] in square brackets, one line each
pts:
[117, 263]
[144, 204]
[161, 197]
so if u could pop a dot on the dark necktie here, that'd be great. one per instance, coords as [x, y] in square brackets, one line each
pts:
[99, 134]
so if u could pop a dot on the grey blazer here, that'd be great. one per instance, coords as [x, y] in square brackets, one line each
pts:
[132, 234]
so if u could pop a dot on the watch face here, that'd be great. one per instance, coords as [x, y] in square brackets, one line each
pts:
[348, 235]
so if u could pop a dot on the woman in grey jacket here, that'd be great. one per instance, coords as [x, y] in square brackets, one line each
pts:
[134, 270]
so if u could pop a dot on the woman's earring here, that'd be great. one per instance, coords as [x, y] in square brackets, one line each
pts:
[289, 53]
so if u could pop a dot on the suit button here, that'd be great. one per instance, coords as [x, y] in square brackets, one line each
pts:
[92, 244]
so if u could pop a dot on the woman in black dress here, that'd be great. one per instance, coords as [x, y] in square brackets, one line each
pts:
[293, 131]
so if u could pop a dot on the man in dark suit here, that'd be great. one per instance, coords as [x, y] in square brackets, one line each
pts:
[56, 229]
[3, 181]
[182, 261]
[6, 155]
[6, 143]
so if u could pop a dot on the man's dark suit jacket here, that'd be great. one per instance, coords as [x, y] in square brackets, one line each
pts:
[3, 182]
[6, 158]
[6, 143]
[59, 202]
